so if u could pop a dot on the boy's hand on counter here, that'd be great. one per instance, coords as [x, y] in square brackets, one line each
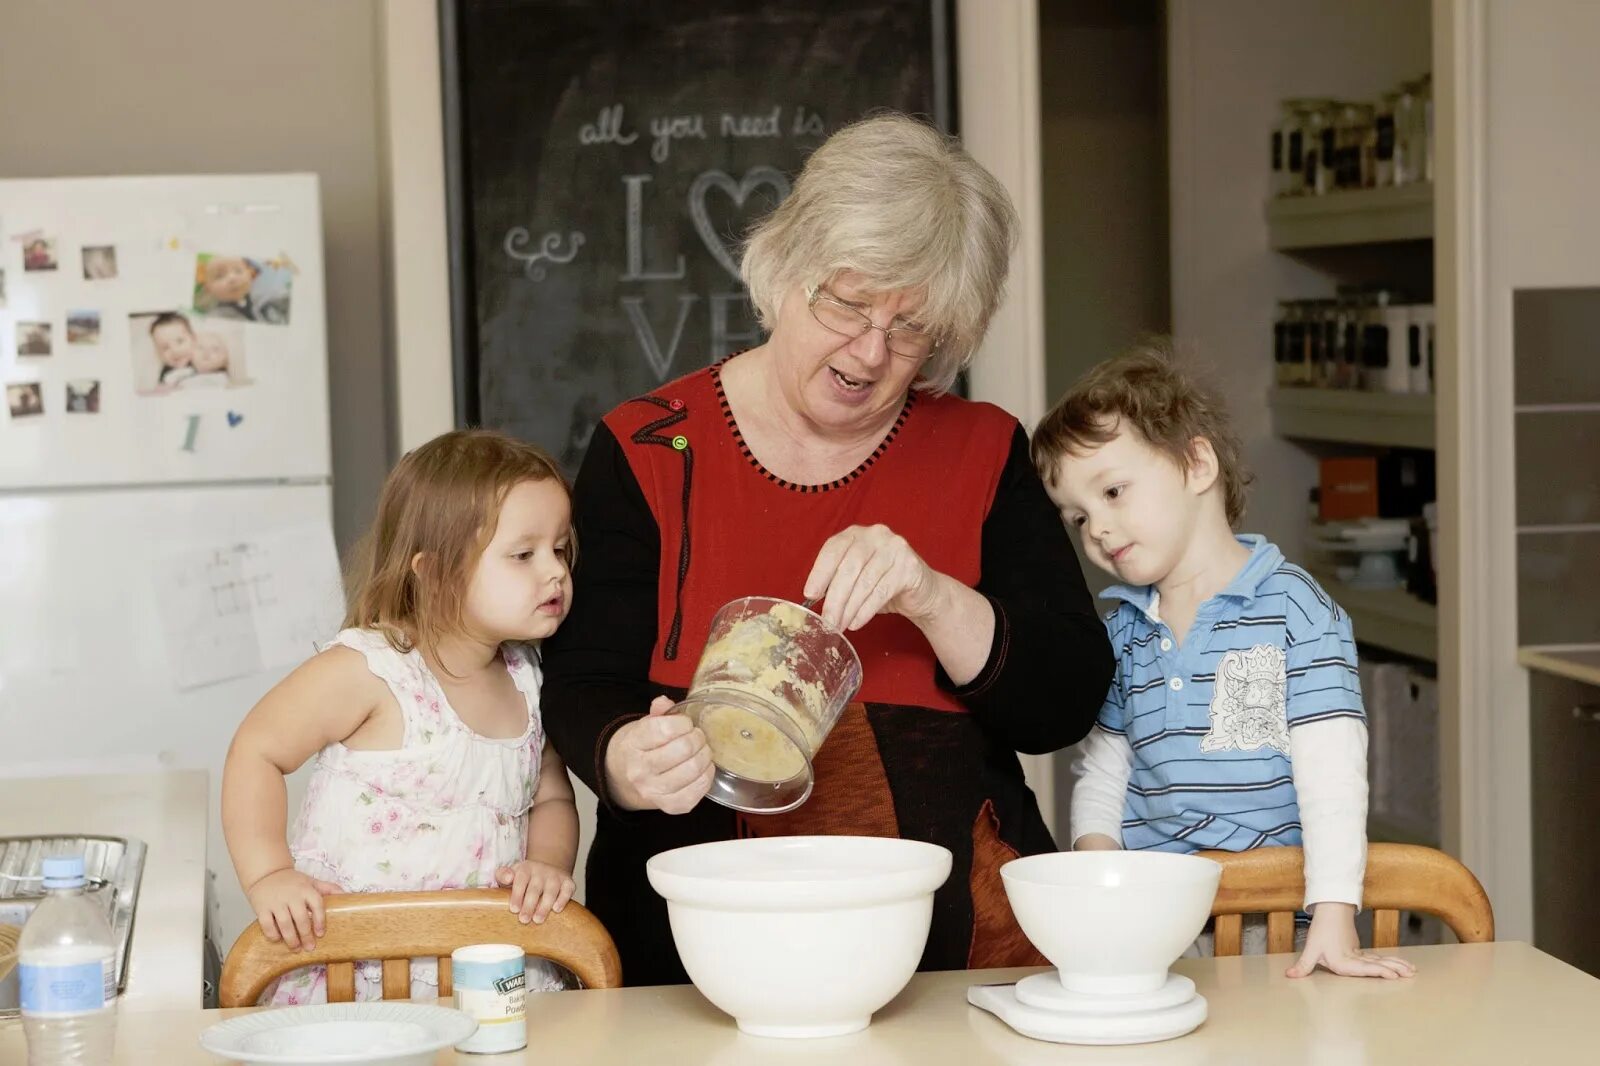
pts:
[1332, 943]
[537, 889]
[288, 904]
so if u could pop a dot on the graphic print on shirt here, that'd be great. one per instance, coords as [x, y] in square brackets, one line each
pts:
[1248, 710]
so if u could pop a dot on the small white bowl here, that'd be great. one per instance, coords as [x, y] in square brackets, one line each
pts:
[1111, 922]
[800, 936]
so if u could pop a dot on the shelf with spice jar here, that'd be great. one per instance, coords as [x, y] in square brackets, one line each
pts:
[1370, 338]
[1347, 172]
[1353, 216]
[1322, 146]
[1377, 418]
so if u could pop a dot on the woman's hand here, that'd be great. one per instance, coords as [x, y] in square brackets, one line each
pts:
[288, 904]
[1095, 842]
[864, 571]
[537, 889]
[659, 762]
[1333, 943]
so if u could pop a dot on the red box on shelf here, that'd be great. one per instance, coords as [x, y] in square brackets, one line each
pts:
[1349, 489]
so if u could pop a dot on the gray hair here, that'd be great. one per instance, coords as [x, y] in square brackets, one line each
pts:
[903, 205]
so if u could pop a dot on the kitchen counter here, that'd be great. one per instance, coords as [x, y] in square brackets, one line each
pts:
[1575, 664]
[1489, 1004]
[167, 811]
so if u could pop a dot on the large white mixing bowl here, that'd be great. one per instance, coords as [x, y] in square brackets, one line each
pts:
[801, 936]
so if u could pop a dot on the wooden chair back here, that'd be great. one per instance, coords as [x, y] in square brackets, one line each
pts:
[1400, 877]
[399, 926]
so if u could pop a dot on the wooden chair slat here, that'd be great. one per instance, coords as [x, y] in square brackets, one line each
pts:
[1227, 933]
[397, 978]
[341, 984]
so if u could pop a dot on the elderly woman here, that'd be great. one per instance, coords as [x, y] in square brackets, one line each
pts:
[832, 462]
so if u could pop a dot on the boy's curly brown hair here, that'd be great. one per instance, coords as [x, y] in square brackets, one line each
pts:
[1145, 389]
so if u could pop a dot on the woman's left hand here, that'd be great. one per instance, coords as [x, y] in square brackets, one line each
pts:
[864, 571]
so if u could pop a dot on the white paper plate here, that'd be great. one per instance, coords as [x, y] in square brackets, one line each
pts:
[341, 1033]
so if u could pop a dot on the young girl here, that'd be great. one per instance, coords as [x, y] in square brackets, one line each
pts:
[432, 769]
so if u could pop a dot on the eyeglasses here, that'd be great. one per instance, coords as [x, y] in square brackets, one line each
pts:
[851, 322]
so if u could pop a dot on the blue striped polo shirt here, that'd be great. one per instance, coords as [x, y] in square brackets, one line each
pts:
[1209, 721]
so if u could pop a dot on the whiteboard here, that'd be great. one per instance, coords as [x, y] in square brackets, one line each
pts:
[87, 263]
[86, 673]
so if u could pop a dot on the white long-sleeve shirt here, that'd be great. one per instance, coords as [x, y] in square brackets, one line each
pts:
[1330, 782]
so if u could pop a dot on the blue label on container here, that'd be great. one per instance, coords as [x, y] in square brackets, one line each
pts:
[505, 975]
[67, 989]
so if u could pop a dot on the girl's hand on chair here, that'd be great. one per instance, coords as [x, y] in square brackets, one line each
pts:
[288, 904]
[1332, 943]
[538, 889]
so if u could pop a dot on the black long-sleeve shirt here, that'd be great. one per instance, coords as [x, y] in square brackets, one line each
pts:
[666, 534]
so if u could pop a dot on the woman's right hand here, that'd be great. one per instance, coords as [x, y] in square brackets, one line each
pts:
[288, 904]
[1096, 842]
[659, 763]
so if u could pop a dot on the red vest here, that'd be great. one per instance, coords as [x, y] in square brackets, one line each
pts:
[749, 533]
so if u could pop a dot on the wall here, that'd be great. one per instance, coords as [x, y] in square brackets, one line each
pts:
[414, 200]
[1519, 215]
[185, 86]
[1103, 219]
[1230, 62]
[1103, 157]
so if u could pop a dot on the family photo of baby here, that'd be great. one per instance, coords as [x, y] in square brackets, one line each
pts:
[170, 352]
[242, 288]
[99, 262]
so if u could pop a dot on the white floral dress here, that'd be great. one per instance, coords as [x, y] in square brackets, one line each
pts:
[442, 811]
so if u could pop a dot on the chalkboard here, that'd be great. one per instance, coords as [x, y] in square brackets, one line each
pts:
[605, 158]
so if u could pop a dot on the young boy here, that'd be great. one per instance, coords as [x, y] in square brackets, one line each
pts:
[1235, 719]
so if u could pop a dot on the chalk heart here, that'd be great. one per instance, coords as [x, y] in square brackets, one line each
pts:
[739, 191]
[234, 418]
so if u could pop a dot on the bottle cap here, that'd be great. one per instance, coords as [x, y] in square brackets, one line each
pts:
[63, 871]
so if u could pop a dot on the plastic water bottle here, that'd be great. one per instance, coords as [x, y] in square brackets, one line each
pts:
[67, 964]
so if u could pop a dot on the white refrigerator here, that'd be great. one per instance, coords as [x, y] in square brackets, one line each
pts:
[166, 546]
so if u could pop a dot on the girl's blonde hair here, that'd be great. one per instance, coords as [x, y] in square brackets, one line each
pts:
[441, 502]
[902, 204]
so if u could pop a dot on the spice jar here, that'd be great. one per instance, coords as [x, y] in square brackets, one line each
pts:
[1352, 124]
[1293, 121]
[1409, 136]
[1322, 164]
[1294, 351]
[1383, 134]
[1328, 369]
[1374, 340]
